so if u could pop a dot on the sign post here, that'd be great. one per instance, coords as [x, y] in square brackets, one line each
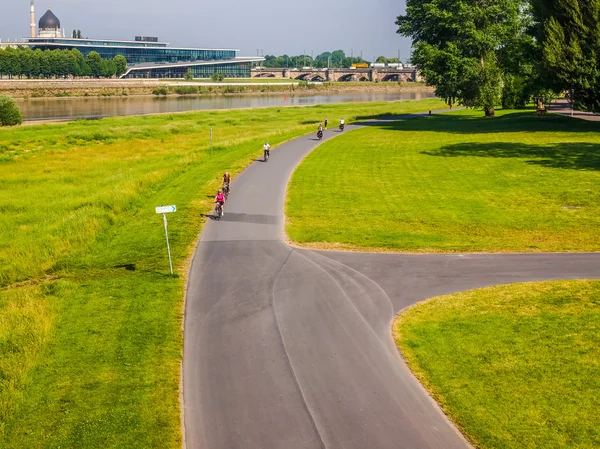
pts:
[164, 210]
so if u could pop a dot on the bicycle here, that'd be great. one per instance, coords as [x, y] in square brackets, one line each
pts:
[219, 211]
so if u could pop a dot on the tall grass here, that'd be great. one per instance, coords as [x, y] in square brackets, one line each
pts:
[83, 266]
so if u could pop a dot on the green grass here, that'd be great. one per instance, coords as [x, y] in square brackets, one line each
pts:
[513, 366]
[90, 351]
[452, 183]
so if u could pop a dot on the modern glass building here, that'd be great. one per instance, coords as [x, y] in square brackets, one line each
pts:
[148, 58]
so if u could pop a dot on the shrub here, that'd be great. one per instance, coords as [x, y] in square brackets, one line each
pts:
[186, 90]
[160, 91]
[10, 114]
[217, 77]
[189, 75]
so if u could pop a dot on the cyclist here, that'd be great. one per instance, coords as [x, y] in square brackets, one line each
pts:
[227, 182]
[220, 199]
[266, 150]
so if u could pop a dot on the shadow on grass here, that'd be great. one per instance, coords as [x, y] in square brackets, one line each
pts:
[569, 155]
[526, 121]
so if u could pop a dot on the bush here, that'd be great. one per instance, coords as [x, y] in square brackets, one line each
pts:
[186, 90]
[189, 75]
[160, 91]
[217, 77]
[10, 114]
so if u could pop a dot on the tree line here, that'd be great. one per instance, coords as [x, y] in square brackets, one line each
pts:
[25, 62]
[506, 52]
[327, 59]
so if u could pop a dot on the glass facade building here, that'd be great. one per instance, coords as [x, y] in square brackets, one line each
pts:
[148, 59]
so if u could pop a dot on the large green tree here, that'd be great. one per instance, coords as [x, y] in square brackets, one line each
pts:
[459, 46]
[121, 65]
[569, 35]
[94, 62]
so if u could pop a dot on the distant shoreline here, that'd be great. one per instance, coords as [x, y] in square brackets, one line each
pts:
[26, 89]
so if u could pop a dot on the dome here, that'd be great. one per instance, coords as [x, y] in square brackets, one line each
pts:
[49, 21]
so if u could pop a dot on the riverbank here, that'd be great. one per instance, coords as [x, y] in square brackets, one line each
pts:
[125, 88]
[74, 108]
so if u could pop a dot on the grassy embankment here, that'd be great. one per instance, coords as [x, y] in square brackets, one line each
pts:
[118, 88]
[453, 183]
[90, 320]
[515, 367]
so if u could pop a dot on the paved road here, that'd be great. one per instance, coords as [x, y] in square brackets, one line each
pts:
[289, 348]
[563, 107]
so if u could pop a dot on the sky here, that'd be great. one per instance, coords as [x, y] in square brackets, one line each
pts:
[269, 26]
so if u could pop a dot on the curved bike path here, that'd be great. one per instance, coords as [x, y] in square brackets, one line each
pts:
[291, 348]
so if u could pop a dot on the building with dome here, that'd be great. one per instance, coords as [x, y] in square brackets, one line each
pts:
[147, 57]
[49, 26]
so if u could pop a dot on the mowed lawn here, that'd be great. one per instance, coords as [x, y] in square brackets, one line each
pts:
[515, 367]
[90, 319]
[452, 183]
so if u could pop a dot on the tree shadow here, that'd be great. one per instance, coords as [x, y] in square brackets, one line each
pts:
[566, 155]
[526, 121]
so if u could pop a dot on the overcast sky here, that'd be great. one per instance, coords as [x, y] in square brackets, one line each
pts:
[272, 26]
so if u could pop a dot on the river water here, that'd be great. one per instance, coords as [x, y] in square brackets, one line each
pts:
[83, 107]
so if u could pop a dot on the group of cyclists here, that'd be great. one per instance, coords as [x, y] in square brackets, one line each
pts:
[223, 193]
[323, 127]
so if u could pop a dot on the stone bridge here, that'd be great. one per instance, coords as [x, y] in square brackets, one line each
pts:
[367, 74]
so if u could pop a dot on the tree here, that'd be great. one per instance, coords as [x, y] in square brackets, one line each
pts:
[94, 62]
[79, 34]
[458, 46]
[217, 77]
[74, 34]
[10, 114]
[121, 64]
[337, 58]
[381, 60]
[568, 32]
[109, 68]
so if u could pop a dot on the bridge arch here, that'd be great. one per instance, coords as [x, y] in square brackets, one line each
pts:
[391, 77]
[264, 75]
[347, 77]
[363, 78]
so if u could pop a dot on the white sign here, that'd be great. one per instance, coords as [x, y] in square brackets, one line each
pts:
[166, 209]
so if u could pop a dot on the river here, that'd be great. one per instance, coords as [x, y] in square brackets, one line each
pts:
[83, 107]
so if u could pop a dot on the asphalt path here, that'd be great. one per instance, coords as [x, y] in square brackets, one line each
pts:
[291, 348]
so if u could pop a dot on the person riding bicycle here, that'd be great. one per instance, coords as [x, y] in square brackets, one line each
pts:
[227, 182]
[320, 127]
[220, 199]
[342, 122]
[267, 150]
